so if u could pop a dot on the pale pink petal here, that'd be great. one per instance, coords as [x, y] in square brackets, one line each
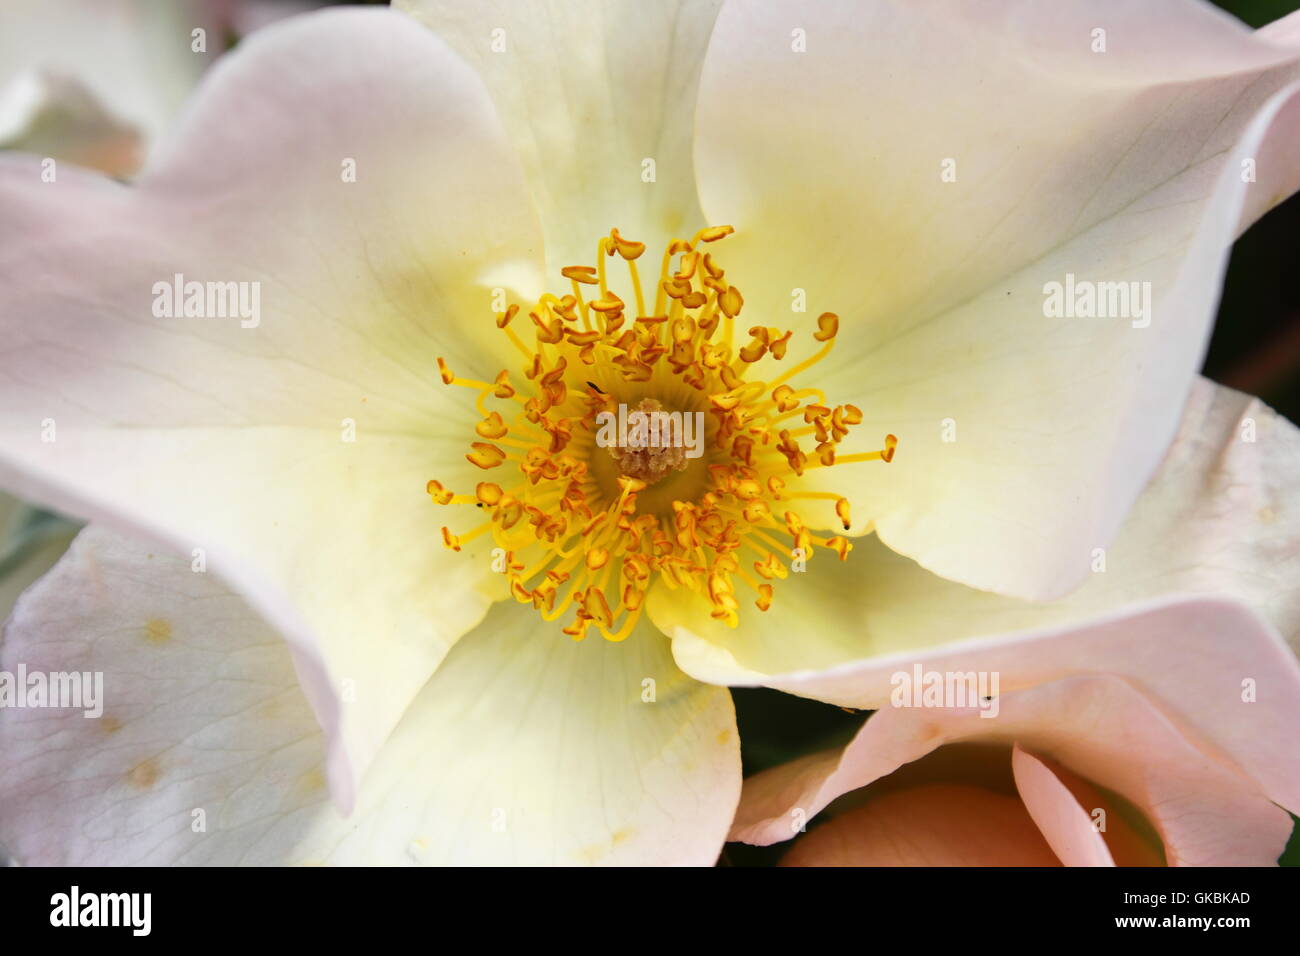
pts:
[1122, 166]
[1129, 837]
[940, 825]
[1065, 825]
[205, 434]
[1207, 806]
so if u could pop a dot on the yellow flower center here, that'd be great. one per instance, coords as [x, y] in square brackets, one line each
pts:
[589, 512]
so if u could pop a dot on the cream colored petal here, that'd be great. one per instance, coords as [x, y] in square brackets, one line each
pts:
[598, 97]
[525, 748]
[291, 444]
[1220, 517]
[925, 171]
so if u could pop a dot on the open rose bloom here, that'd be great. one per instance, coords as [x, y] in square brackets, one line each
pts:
[384, 564]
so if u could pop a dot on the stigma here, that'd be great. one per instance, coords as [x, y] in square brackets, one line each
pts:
[653, 449]
[636, 444]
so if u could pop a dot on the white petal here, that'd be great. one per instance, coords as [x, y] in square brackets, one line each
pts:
[524, 748]
[1221, 517]
[1123, 166]
[206, 434]
[589, 91]
[527, 748]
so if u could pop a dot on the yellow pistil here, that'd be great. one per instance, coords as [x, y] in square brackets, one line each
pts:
[587, 530]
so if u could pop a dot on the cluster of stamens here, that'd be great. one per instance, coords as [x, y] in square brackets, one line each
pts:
[582, 529]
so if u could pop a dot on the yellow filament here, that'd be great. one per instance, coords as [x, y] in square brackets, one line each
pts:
[581, 546]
